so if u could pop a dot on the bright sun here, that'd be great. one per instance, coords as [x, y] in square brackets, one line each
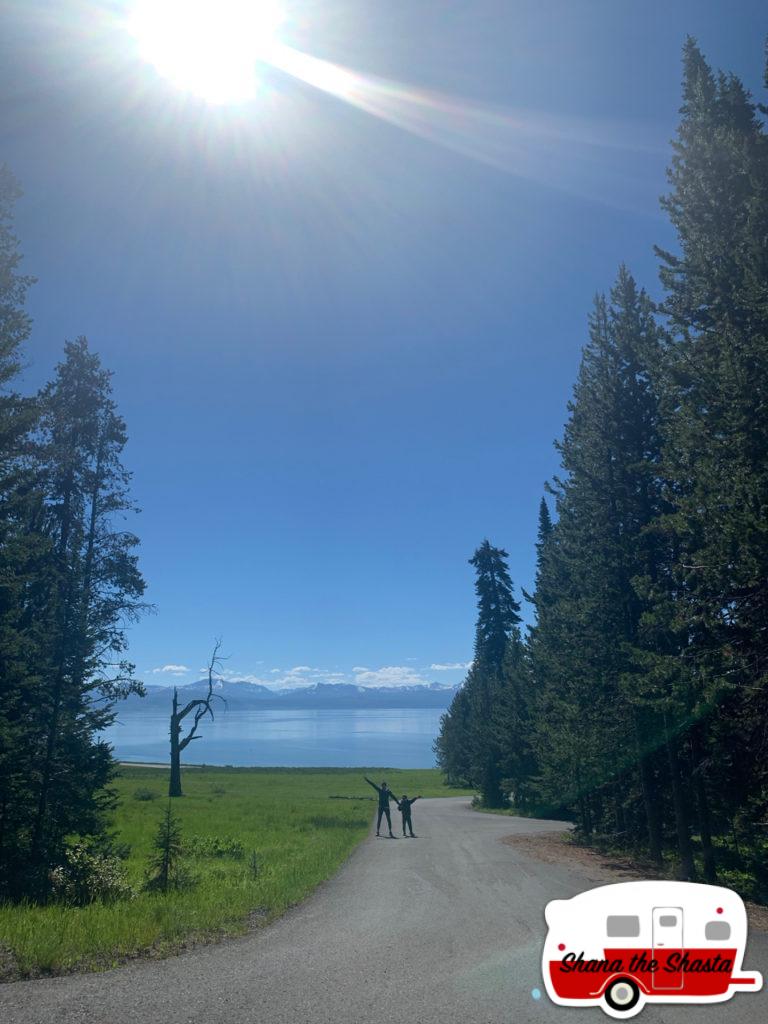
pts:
[211, 48]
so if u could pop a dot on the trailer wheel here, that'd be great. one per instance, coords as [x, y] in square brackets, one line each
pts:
[622, 995]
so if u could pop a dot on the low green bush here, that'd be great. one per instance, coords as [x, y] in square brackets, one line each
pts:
[87, 876]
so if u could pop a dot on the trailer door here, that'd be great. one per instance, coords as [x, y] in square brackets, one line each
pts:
[667, 938]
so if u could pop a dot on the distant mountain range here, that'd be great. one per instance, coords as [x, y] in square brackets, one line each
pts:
[243, 696]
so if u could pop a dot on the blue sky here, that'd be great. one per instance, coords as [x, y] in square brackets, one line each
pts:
[343, 344]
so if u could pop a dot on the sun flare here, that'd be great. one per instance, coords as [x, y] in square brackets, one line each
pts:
[210, 48]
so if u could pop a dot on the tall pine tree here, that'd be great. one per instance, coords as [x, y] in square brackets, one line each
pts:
[468, 747]
[716, 448]
[90, 589]
[21, 550]
[592, 724]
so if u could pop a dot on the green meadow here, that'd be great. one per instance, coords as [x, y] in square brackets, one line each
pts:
[290, 829]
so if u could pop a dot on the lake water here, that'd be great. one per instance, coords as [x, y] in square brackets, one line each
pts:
[381, 737]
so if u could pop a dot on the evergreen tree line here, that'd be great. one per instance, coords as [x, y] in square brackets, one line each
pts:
[638, 700]
[69, 583]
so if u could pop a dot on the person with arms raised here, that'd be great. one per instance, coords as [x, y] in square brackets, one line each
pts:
[404, 806]
[385, 795]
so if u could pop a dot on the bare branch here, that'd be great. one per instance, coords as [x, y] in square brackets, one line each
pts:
[201, 706]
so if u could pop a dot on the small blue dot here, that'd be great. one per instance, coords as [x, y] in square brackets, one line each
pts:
[536, 993]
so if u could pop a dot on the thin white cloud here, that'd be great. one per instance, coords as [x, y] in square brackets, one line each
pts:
[175, 670]
[231, 675]
[450, 666]
[306, 675]
[284, 679]
[388, 675]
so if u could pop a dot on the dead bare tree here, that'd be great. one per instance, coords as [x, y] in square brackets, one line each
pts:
[201, 707]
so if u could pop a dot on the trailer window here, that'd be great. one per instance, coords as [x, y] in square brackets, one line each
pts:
[717, 930]
[623, 927]
[668, 920]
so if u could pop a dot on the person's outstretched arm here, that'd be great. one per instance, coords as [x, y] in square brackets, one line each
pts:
[415, 799]
[371, 783]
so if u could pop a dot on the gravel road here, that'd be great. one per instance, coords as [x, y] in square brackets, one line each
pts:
[446, 928]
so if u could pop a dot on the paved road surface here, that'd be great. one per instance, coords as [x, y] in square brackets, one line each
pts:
[443, 929]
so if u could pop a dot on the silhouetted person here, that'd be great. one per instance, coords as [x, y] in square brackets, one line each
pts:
[404, 806]
[385, 795]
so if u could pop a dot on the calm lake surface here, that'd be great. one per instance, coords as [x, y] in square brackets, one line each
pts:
[385, 737]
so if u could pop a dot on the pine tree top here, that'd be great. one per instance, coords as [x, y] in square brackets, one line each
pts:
[498, 611]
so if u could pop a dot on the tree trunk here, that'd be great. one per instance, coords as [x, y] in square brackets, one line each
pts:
[491, 789]
[174, 787]
[46, 779]
[587, 814]
[597, 811]
[584, 809]
[618, 811]
[650, 797]
[651, 804]
[685, 849]
[705, 829]
[201, 708]
[702, 803]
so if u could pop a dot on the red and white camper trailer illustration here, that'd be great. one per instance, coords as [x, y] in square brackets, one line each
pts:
[622, 946]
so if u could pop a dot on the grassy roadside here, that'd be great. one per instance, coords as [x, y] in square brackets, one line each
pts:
[301, 823]
[612, 865]
[616, 857]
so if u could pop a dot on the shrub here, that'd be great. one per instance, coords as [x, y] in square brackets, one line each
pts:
[144, 794]
[88, 877]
